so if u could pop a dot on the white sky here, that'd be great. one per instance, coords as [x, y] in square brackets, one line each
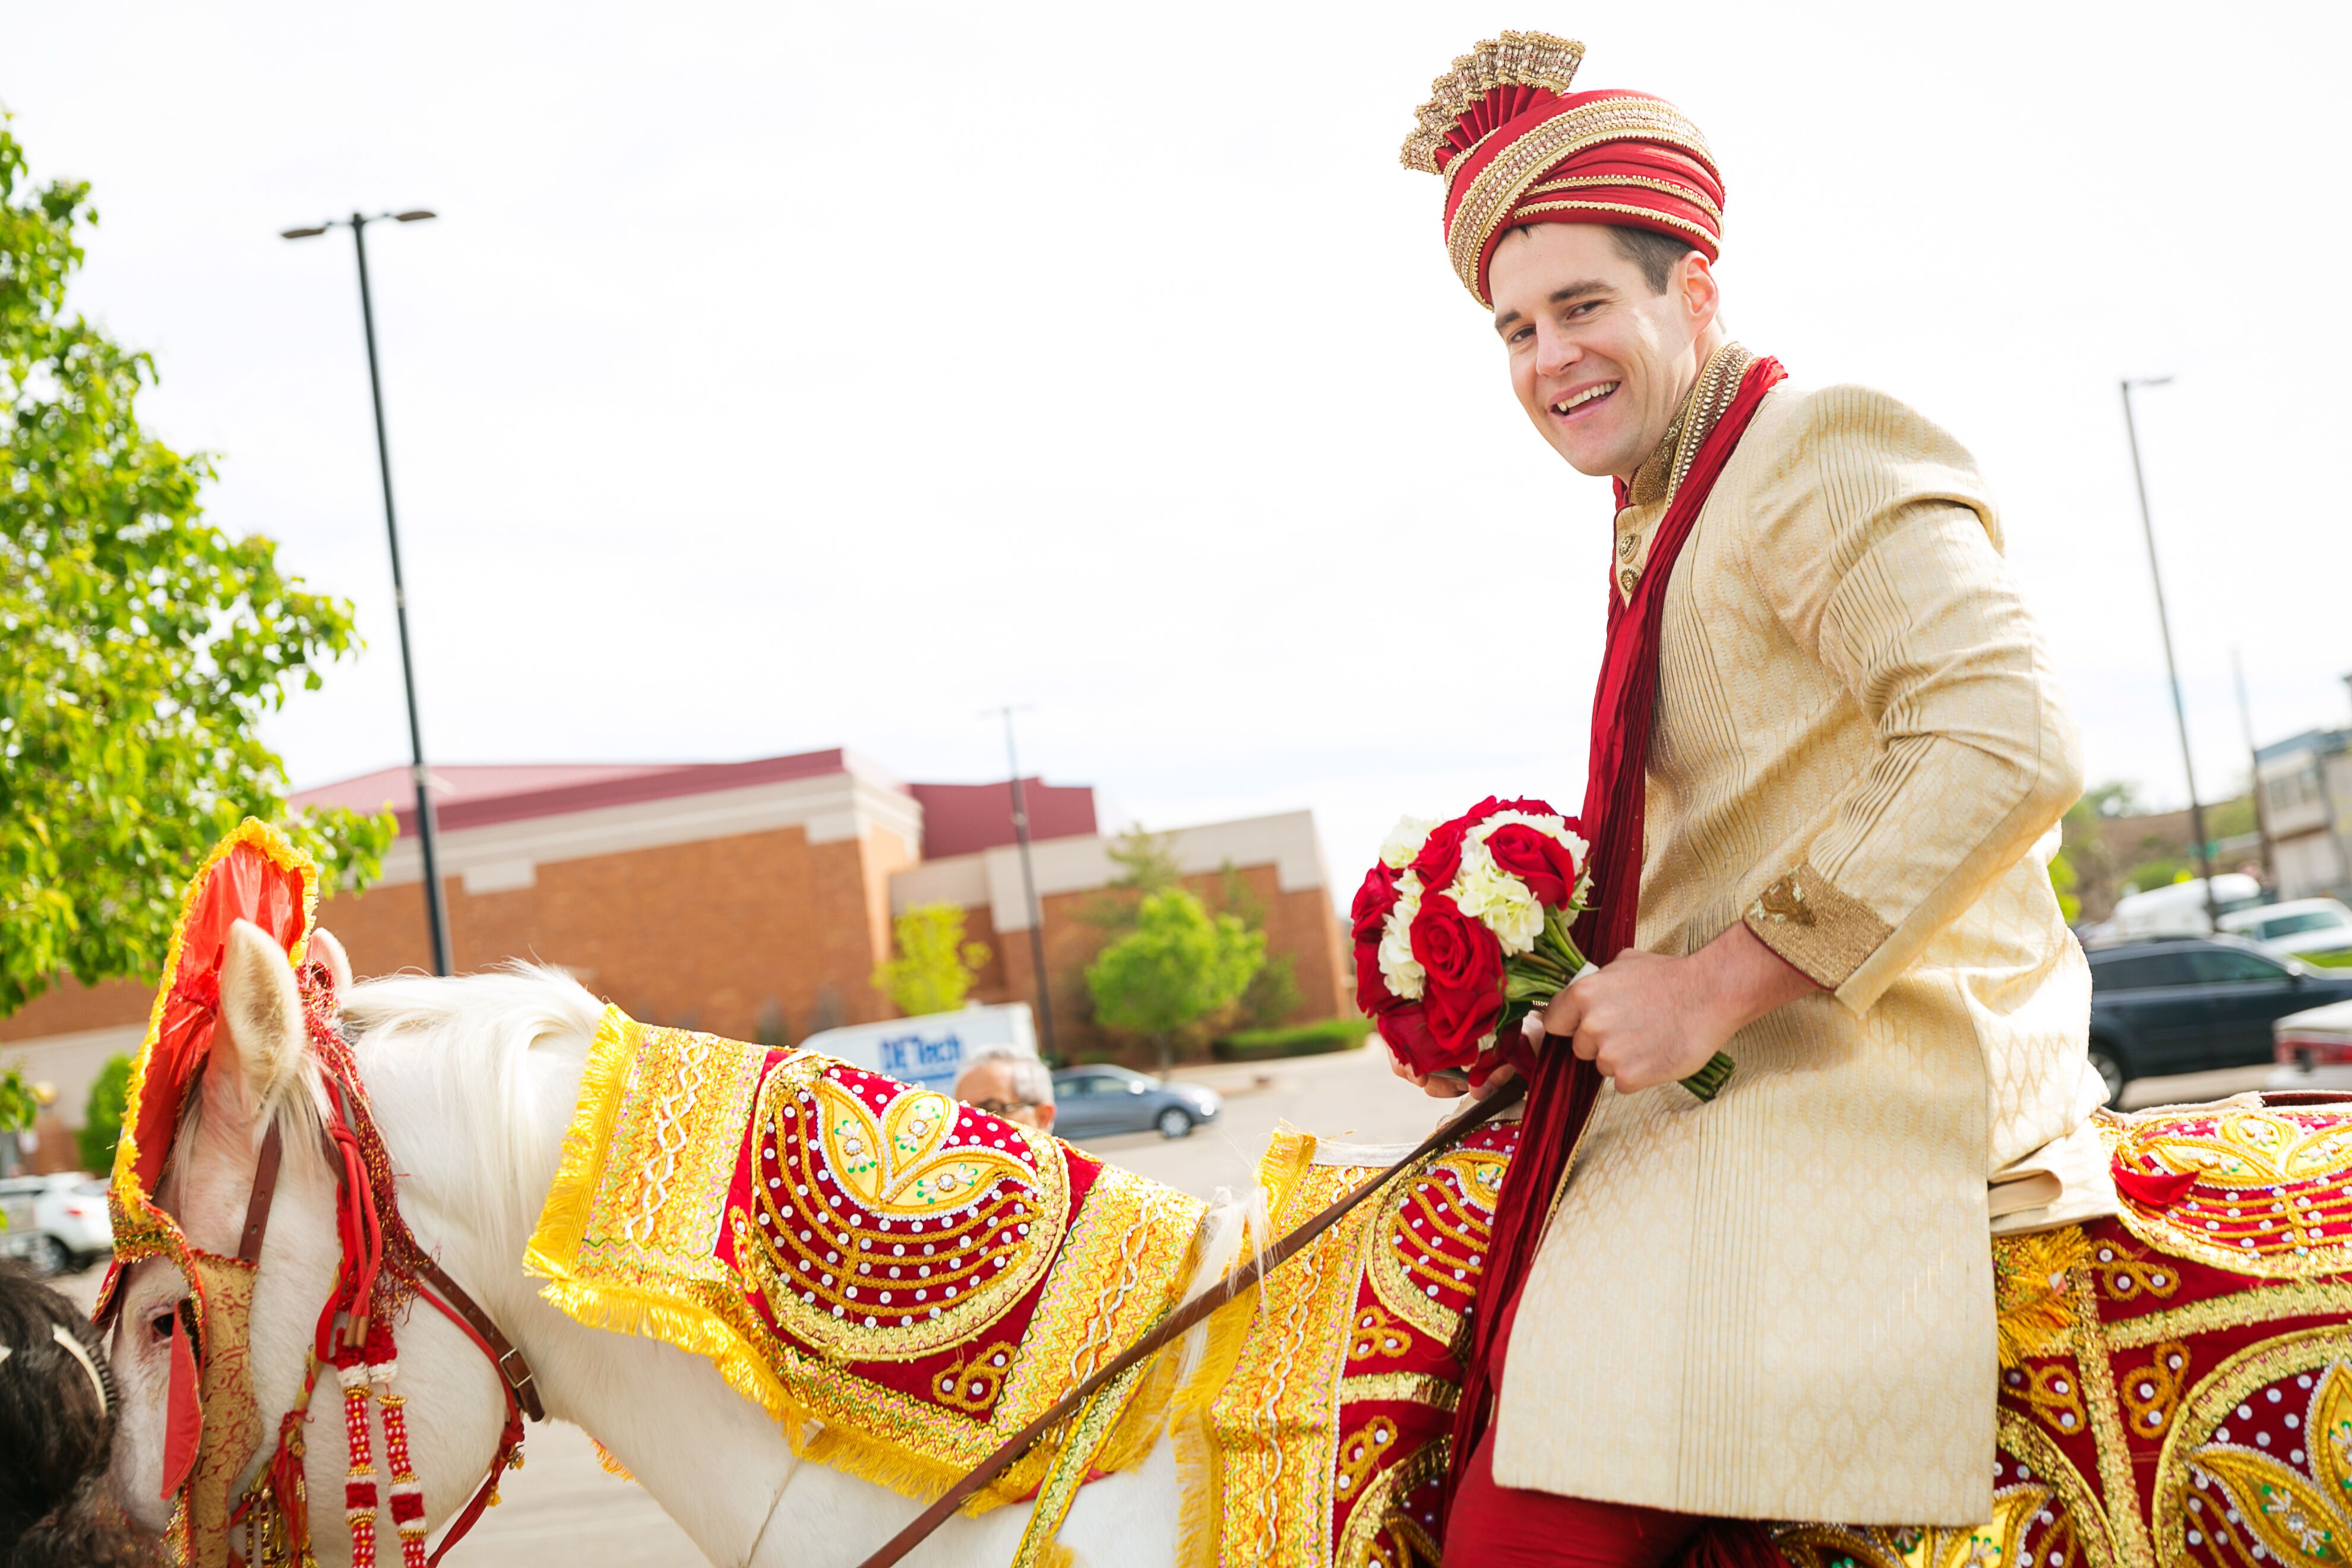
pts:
[788, 377]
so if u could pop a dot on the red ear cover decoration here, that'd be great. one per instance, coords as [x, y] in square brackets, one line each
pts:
[2153, 1189]
[184, 1421]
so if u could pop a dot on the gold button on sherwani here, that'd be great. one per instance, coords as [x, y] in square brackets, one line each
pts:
[1780, 1304]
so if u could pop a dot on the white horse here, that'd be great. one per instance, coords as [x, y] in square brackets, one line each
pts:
[473, 1080]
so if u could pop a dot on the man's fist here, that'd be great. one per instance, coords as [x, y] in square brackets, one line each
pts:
[1645, 1020]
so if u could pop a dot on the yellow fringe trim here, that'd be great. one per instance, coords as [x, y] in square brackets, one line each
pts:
[2033, 1304]
[554, 1249]
[612, 1466]
[563, 1218]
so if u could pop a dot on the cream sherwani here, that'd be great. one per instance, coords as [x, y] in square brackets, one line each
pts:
[1779, 1305]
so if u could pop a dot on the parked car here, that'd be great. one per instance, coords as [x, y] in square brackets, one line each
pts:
[2193, 1003]
[2313, 1049]
[57, 1224]
[1093, 1102]
[2295, 927]
[2178, 909]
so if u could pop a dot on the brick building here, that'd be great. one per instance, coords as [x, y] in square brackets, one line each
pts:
[753, 900]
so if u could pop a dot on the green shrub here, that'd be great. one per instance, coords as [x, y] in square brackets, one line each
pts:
[1300, 1041]
[101, 1117]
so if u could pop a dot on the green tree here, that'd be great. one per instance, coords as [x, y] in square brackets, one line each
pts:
[18, 1104]
[101, 1117]
[139, 644]
[1178, 967]
[934, 968]
[1147, 865]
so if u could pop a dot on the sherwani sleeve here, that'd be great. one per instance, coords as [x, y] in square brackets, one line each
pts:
[1878, 547]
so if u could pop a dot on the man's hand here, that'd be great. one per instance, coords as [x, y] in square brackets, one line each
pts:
[1646, 1020]
[1444, 1085]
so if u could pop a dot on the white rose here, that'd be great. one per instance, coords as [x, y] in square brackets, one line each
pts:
[1405, 978]
[1499, 901]
[1404, 841]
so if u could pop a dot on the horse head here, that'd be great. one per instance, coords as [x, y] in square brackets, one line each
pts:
[259, 1074]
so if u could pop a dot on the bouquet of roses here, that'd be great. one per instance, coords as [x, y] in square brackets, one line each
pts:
[1461, 930]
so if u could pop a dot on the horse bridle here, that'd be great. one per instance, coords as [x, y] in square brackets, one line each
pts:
[432, 1284]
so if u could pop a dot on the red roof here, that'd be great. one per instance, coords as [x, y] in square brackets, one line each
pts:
[958, 819]
[961, 819]
[470, 796]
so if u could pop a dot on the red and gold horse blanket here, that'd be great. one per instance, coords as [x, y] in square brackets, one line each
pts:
[902, 1280]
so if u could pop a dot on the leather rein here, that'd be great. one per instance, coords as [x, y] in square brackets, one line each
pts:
[432, 1284]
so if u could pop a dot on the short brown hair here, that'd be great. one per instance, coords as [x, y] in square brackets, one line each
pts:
[1655, 253]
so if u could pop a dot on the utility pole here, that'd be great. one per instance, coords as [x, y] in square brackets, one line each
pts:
[2254, 762]
[1029, 886]
[2171, 668]
[437, 916]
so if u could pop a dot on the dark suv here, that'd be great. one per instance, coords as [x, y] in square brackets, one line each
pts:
[2192, 1004]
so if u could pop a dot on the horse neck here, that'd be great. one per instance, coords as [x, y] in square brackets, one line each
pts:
[471, 1187]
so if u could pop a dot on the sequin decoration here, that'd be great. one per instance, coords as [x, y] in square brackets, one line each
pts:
[2270, 1196]
[902, 1280]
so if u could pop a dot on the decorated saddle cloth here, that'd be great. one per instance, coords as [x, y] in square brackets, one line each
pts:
[2176, 1388]
[902, 1280]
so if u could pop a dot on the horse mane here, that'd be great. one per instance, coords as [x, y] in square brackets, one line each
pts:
[453, 1053]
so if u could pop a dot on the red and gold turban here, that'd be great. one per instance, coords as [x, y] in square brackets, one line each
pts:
[1515, 147]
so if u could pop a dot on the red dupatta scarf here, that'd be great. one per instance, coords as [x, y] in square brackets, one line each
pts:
[1563, 1085]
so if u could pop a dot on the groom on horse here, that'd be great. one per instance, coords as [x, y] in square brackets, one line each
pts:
[1829, 758]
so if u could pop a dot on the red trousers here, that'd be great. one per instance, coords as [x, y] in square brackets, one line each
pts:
[1492, 1526]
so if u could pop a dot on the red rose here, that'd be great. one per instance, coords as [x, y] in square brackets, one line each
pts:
[1441, 852]
[1464, 966]
[1374, 899]
[1372, 993]
[1406, 1030]
[1537, 859]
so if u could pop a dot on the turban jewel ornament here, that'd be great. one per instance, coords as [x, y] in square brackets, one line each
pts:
[1516, 146]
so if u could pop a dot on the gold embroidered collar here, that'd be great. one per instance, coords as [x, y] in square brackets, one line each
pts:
[1661, 474]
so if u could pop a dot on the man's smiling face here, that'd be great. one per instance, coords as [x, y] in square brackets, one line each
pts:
[1598, 359]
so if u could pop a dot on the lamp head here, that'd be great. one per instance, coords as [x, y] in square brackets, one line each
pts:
[301, 233]
[416, 216]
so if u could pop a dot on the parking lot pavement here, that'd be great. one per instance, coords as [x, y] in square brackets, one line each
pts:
[563, 1510]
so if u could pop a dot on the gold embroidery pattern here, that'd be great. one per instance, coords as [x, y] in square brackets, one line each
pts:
[875, 1159]
[1434, 1232]
[2129, 1277]
[2150, 1392]
[1377, 1334]
[2273, 1195]
[1512, 59]
[1690, 193]
[1825, 933]
[2260, 1458]
[903, 1221]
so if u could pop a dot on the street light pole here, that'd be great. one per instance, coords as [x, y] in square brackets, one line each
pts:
[2254, 761]
[1029, 887]
[437, 914]
[2171, 668]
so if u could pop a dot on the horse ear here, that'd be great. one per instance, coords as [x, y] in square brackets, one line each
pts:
[324, 949]
[257, 1052]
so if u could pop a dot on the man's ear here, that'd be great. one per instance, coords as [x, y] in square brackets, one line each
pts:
[1702, 297]
[257, 1052]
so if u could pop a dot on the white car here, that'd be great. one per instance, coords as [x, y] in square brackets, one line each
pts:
[57, 1224]
[2313, 1049]
[2295, 927]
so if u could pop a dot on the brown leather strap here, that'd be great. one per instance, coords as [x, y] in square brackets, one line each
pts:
[265, 1193]
[1173, 1325]
[513, 1370]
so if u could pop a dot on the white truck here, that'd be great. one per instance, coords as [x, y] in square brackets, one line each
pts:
[930, 1051]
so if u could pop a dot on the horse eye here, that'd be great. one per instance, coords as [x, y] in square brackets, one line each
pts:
[160, 1325]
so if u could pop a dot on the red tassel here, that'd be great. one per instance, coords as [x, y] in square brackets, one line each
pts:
[183, 1423]
[2153, 1189]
